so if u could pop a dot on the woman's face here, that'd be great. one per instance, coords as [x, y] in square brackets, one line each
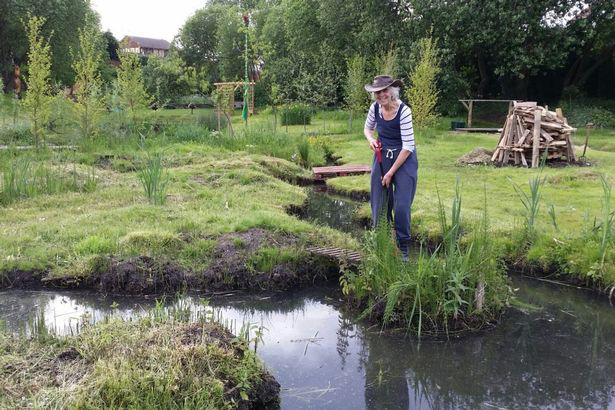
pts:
[383, 96]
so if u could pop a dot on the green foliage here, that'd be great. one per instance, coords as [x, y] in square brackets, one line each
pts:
[423, 93]
[89, 104]
[130, 86]
[606, 227]
[167, 79]
[38, 98]
[580, 114]
[459, 286]
[21, 179]
[356, 97]
[387, 63]
[303, 148]
[531, 204]
[155, 179]
[265, 259]
[296, 114]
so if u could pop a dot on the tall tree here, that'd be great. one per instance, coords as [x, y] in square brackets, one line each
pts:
[130, 85]
[38, 98]
[89, 104]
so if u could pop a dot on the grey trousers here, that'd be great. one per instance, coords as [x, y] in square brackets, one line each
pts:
[398, 197]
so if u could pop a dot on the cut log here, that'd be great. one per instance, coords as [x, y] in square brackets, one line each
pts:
[536, 139]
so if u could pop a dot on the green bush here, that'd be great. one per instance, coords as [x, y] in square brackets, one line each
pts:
[579, 114]
[296, 114]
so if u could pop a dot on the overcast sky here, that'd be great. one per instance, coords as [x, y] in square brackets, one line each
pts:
[145, 18]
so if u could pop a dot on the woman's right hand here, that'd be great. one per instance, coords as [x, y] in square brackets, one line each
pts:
[374, 144]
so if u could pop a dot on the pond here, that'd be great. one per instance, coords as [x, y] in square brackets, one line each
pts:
[557, 353]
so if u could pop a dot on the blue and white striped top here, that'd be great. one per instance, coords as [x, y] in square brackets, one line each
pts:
[405, 124]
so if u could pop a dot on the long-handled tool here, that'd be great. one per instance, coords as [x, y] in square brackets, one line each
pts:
[385, 193]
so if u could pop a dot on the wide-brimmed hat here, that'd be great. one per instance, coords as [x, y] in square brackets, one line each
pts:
[381, 82]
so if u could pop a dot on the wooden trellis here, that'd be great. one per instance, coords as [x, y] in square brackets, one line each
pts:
[226, 97]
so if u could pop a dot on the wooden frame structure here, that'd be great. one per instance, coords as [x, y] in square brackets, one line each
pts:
[226, 99]
[469, 104]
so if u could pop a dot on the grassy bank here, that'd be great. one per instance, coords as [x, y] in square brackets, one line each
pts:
[222, 184]
[222, 191]
[160, 361]
[568, 232]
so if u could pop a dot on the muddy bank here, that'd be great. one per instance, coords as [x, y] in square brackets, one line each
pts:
[256, 259]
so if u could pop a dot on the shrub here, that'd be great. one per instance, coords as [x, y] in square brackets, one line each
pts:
[580, 115]
[296, 114]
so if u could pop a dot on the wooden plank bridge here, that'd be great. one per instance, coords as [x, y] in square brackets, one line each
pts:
[321, 173]
[352, 257]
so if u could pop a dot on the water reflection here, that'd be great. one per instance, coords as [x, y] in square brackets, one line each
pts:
[559, 356]
[333, 211]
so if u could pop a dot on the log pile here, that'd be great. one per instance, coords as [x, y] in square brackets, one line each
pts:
[529, 131]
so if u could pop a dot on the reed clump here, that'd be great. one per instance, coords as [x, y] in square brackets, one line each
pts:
[458, 287]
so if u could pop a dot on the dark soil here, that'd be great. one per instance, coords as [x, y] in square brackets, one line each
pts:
[139, 275]
[230, 270]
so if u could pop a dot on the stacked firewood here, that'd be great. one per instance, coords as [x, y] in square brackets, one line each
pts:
[529, 131]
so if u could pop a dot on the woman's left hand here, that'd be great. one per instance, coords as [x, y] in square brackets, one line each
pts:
[386, 180]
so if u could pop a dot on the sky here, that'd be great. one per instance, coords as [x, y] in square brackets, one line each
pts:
[159, 19]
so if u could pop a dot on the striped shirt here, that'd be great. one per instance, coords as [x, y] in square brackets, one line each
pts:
[405, 125]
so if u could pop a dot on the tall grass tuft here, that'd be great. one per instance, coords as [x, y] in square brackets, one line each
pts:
[606, 229]
[155, 179]
[531, 203]
[303, 148]
[21, 179]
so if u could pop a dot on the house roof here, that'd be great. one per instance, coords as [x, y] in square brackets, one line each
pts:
[145, 42]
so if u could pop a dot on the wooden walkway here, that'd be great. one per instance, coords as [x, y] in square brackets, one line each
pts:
[353, 257]
[340, 171]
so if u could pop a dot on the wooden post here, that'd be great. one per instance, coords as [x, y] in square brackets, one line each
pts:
[470, 105]
[536, 140]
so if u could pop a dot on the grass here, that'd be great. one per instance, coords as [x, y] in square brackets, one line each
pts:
[456, 288]
[221, 183]
[163, 360]
[154, 179]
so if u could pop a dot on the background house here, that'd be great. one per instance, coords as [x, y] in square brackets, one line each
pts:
[144, 46]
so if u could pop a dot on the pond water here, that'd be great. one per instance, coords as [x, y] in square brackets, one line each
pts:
[331, 210]
[558, 355]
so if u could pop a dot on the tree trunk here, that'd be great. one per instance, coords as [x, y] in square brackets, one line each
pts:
[484, 76]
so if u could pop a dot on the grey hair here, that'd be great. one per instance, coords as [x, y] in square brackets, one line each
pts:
[394, 93]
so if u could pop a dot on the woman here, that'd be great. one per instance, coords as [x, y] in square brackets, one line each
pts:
[393, 120]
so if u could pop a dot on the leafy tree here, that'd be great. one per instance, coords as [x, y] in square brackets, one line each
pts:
[89, 104]
[356, 97]
[423, 93]
[230, 46]
[168, 78]
[197, 41]
[63, 18]
[130, 86]
[38, 96]
[112, 45]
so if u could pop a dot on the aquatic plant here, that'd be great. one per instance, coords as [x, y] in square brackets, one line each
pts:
[531, 203]
[154, 179]
[457, 286]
